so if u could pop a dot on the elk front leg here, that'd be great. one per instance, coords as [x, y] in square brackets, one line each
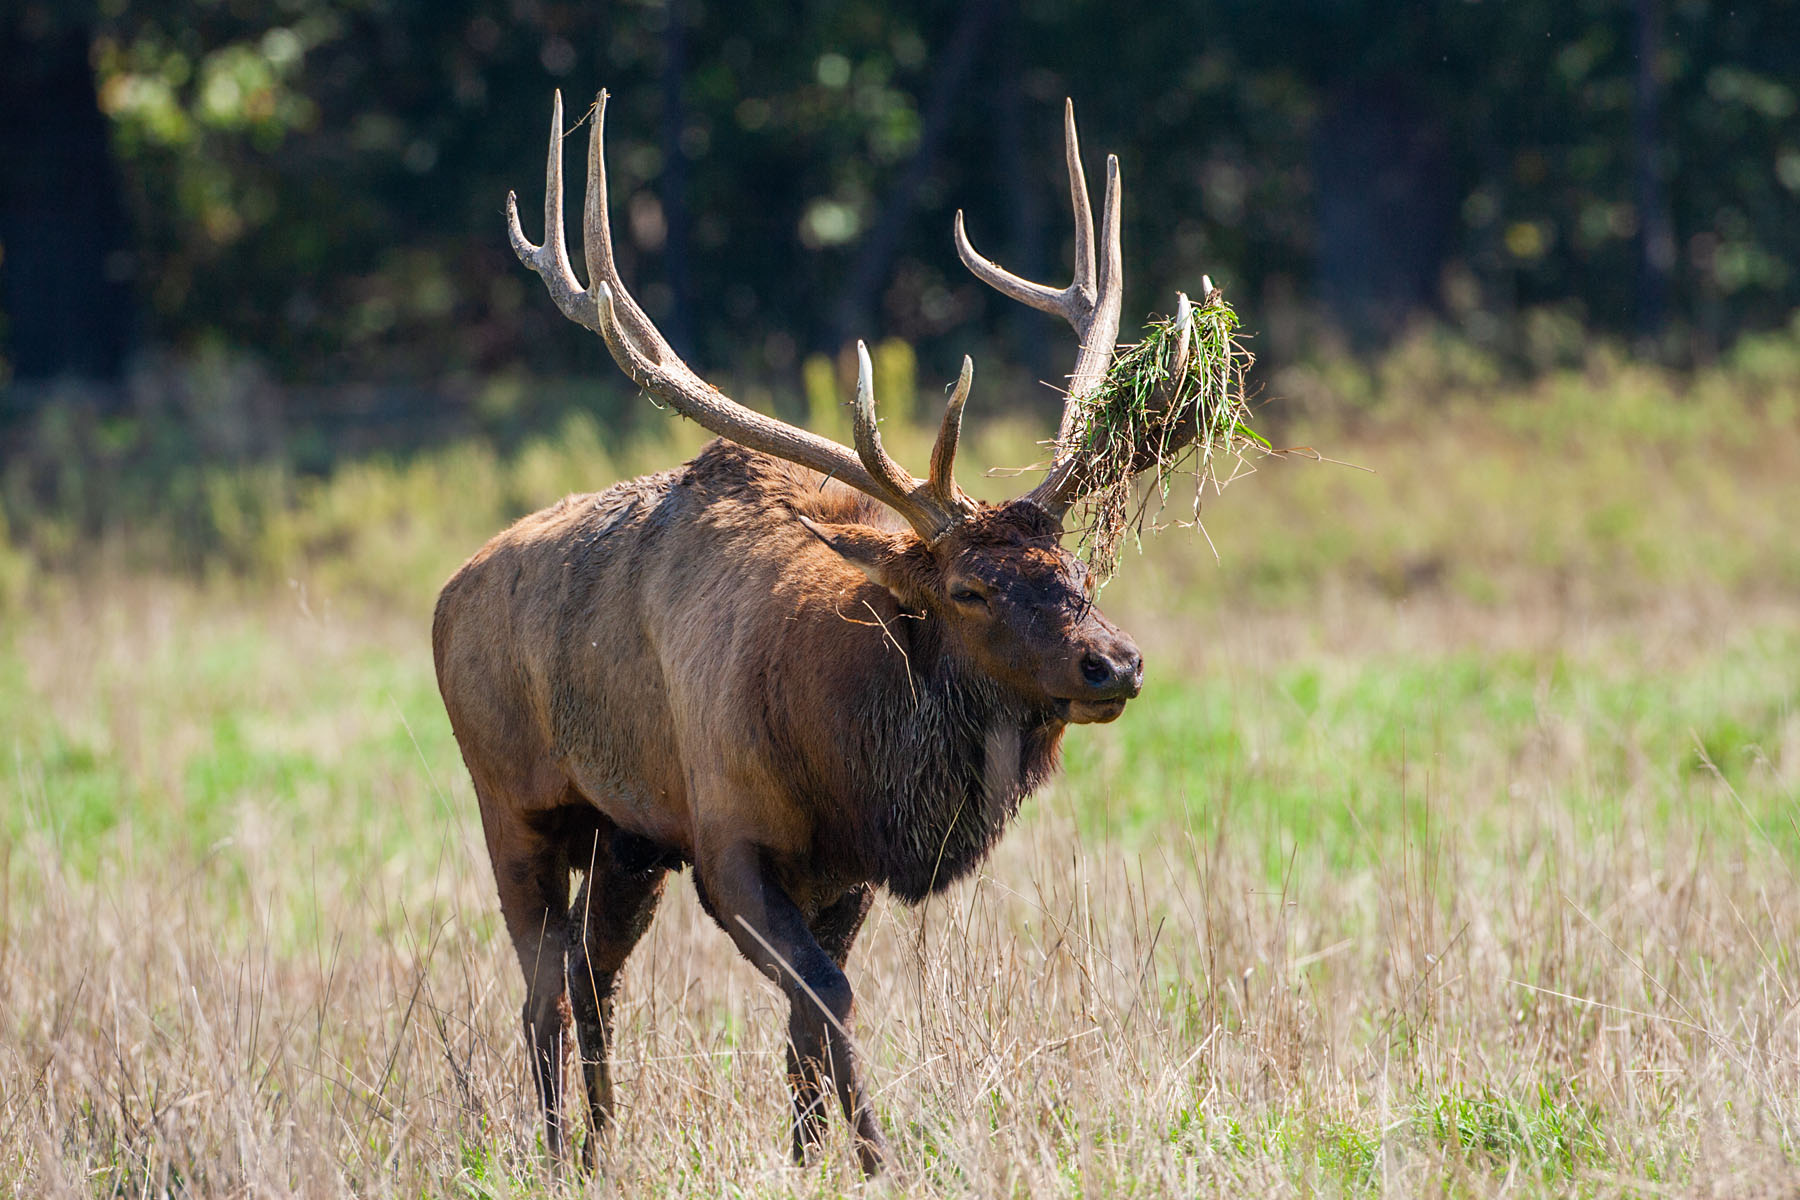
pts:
[835, 929]
[771, 932]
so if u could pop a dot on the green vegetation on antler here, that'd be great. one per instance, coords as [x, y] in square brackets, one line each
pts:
[1164, 407]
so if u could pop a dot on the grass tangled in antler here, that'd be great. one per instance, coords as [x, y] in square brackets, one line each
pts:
[1141, 418]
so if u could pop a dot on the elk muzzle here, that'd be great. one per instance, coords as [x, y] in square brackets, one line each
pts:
[1109, 670]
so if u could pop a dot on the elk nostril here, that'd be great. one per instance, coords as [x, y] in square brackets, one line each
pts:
[1095, 669]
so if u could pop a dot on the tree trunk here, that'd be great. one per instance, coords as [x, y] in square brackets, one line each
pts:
[1656, 234]
[1383, 197]
[673, 185]
[1025, 197]
[875, 257]
[65, 246]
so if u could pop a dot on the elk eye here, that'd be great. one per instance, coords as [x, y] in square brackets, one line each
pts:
[968, 596]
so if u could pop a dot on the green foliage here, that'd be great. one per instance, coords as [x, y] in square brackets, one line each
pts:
[1601, 481]
[319, 183]
[1278, 750]
[1556, 1136]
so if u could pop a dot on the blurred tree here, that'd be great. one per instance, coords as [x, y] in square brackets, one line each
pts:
[319, 182]
[65, 246]
[1655, 238]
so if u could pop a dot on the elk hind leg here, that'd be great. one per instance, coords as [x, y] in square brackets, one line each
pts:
[531, 872]
[612, 910]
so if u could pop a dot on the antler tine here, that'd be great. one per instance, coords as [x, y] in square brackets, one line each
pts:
[1038, 296]
[1090, 303]
[550, 260]
[1184, 334]
[899, 483]
[943, 452]
[606, 306]
[1100, 331]
[1078, 200]
[1074, 302]
[928, 507]
[597, 248]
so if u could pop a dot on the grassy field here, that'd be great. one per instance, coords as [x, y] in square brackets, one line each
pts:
[1451, 850]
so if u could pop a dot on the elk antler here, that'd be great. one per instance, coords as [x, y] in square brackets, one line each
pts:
[1090, 304]
[605, 306]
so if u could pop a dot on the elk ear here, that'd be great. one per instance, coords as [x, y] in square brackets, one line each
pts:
[878, 553]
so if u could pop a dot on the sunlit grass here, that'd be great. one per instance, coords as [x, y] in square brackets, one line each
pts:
[1449, 851]
[1300, 920]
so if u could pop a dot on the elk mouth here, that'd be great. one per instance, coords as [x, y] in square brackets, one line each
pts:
[1091, 712]
[1110, 674]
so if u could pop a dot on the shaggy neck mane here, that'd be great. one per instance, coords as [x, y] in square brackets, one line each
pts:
[937, 757]
[948, 766]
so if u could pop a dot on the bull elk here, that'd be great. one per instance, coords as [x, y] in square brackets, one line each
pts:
[747, 664]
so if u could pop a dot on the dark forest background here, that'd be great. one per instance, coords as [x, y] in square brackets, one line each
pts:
[308, 195]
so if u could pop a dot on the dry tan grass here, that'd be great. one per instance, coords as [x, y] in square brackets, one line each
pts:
[309, 996]
[1450, 852]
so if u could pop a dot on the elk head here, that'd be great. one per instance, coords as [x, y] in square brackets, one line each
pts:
[1013, 603]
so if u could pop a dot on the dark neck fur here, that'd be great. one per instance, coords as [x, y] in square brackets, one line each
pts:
[946, 770]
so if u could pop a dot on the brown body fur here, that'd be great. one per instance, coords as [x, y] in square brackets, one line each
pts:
[640, 681]
[741, 665]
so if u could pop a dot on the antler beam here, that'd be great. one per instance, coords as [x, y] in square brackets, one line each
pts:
[606, 306]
